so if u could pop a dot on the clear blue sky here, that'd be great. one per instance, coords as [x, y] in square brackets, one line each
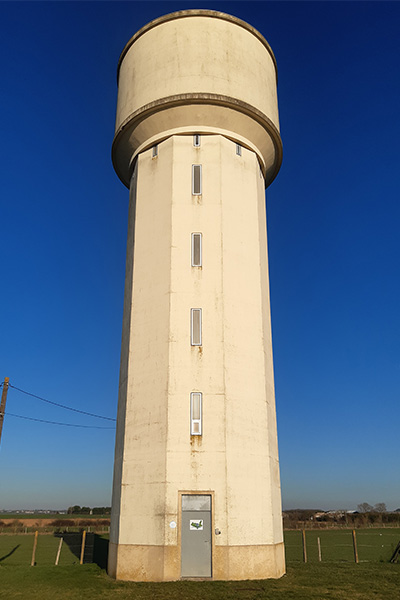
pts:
[333, 225]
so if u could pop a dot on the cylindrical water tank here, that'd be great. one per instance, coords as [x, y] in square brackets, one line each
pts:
[204, 75]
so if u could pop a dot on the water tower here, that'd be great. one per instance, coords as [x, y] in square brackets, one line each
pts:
[196, 479]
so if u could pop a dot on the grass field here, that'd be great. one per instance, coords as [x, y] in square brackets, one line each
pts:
[337, 545]
[16, 550]
[336, 578]
[329, 581]
[374, 545]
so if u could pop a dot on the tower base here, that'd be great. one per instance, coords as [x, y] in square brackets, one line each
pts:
[162, 563]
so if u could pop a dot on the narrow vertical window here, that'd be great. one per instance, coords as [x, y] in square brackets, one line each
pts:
[196, 140]
[196, 250]
[195, 326]
[238, 149]
[155, 151]
[195, 413]
[196, 180]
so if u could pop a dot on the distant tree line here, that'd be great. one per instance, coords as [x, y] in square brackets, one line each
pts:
[367, 508]
[86, 510]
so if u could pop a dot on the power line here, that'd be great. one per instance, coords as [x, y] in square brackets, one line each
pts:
[82, 412]
[55, 422]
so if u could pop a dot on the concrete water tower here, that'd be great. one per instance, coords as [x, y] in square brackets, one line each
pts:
[196, 479]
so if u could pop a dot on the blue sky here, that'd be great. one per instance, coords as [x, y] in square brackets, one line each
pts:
[333, 226]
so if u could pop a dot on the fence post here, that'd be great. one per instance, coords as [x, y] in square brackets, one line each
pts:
[83, 547]
[304, 545]
[34, 549]
[319, 549]
[355, 546]
[59, 551]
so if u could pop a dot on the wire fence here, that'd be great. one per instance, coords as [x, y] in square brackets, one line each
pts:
[63, 548]
[368, 545]
[300, 546]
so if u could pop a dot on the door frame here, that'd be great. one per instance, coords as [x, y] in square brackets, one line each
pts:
[196, 493]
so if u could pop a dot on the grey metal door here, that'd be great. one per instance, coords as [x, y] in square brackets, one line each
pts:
[196, 536]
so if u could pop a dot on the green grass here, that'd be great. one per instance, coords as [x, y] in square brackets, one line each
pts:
[336, 578]
[16, 550]
[329, 581]
[376, 545]
[337, 545]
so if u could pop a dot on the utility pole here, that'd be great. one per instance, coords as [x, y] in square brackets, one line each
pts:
[3, 403]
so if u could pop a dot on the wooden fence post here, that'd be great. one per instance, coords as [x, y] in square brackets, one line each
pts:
[59, 551]
[83, 547]
[355, 546]
[34, 549]
[319, 549]
[304, 546]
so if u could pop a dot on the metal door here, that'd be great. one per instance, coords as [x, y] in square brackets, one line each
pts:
[196, 536]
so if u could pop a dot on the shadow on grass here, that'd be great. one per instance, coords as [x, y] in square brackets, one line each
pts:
[10, 553]
[100, 551]
[96, 547]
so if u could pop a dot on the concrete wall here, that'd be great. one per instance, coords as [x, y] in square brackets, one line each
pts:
[197, 69]
[236, 458]
[196, 72]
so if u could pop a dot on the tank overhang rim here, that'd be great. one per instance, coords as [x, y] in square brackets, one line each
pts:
[184, 99]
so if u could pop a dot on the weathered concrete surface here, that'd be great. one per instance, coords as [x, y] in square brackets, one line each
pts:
[201, 73]
[158, 563]
[236, 458]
